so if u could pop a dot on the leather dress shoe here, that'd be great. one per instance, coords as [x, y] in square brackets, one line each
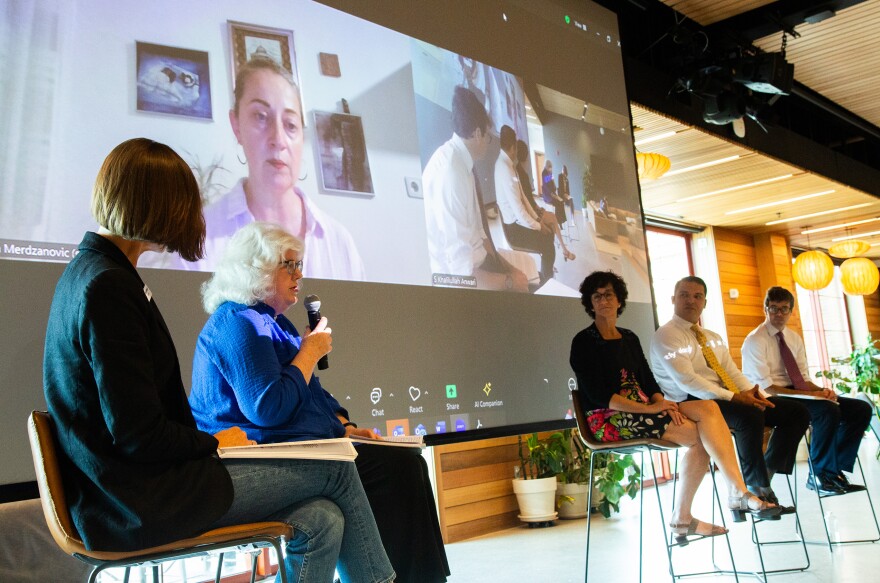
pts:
[845, 484]
[825, 484]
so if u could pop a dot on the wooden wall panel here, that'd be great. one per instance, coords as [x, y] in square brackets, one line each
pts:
[738, 269]
[872, 310]
[752, 265]
[773, 254]
[474, 491]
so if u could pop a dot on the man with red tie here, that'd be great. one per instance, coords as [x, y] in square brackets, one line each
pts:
[774, 358]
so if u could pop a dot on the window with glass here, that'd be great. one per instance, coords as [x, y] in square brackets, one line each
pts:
[825, 324]
[670, 257]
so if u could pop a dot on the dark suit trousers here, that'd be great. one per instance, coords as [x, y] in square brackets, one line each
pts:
[837, 433]
[535, 240]
[790, 421]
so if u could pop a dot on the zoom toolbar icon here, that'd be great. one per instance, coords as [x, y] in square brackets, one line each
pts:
[451, 392]
[376, 395]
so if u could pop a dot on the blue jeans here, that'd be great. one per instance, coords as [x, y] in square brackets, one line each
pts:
[325, 503]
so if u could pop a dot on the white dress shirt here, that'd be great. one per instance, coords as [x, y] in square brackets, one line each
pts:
[330, 252]
[509, 195]
[762, 360]
[452, 214]
[681, 369]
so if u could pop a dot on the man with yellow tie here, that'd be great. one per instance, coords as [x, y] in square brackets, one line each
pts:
[775, 358]
[690, 362]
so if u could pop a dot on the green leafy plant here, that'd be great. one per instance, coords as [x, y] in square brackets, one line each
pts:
[544, 458]
[858, 372]
[619, 475]
[614, 476]
[587, 183]
[575, 461]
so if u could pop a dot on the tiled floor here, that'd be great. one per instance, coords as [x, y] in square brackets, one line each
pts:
[556, 555]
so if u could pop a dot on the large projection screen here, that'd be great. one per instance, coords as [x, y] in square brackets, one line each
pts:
[418, 348]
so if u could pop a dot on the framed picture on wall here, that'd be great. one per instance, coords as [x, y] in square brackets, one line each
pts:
[173, 80]
[342, 154]
[249, 40]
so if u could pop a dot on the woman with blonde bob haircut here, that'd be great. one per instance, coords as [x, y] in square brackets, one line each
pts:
[253, 370]
[137, 471]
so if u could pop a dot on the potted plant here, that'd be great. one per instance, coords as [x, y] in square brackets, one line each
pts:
[572, 487]
[587, 184]
[535, 481]
[614, 476]
[858, 374]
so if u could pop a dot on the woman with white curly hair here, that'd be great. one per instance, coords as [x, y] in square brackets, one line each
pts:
[253, 370]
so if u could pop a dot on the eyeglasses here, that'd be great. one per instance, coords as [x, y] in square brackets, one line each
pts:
[607, 296]
[293, 265]
[784, 310]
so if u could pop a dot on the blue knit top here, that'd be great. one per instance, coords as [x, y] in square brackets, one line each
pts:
[242, 377]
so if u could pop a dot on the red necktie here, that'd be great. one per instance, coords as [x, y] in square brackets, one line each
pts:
[791, 367]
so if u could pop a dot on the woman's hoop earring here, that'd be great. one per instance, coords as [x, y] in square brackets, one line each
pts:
[237, 155]
[301, 178]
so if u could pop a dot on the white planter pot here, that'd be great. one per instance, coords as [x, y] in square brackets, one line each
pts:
[536, 499]
[572, 500]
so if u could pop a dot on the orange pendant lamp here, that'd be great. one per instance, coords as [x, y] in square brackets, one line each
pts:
[812, 270]
[849, 248]
[859, 276]
[652, 165]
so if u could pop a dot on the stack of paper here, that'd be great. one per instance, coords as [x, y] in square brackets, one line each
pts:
[396, 441]
[339, 449]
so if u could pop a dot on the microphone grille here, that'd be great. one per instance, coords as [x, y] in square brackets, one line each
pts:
[312, 303]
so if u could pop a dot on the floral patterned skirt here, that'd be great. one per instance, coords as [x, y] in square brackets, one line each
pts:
[611, 425]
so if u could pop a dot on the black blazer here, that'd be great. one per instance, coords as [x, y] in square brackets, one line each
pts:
[137, 472]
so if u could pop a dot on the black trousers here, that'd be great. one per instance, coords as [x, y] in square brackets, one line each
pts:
[837, 433]
[398, 487]
[536, 240]
[789, 419]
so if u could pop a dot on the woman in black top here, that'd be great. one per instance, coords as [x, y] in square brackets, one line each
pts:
[626, 402]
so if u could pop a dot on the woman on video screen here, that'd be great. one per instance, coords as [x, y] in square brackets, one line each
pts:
[267, 120]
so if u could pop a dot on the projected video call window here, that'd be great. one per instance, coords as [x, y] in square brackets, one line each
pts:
[347, 186]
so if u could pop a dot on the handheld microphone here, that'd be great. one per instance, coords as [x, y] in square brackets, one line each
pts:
[313, 307]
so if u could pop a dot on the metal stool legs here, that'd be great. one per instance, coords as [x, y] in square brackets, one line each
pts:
[820, 497]
[716, 500]
[641, 511]
[799, 539]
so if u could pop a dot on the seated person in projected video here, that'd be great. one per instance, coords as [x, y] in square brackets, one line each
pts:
[774, 358]
[266, 100]
[546, 218]
[252, 369]
[550, 193]
[521, 225]
[458, 231]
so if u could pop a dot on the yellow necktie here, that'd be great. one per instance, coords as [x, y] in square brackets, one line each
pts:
[712, 361]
